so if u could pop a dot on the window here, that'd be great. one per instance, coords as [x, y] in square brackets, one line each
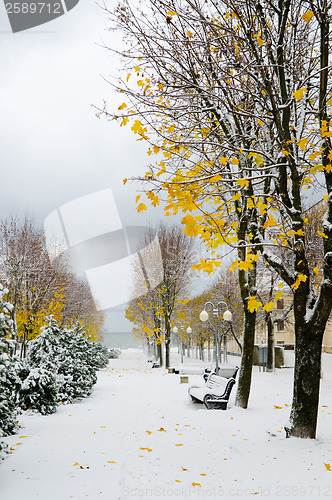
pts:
[280, 304]
[281, 326]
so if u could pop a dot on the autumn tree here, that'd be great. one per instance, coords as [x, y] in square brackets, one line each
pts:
[154, 308]
[38, 288]
[233, 97]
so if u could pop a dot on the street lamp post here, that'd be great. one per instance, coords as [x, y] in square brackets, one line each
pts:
[175, 330]
[227, 317]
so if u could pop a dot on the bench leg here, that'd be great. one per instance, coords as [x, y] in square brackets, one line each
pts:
[215, 404]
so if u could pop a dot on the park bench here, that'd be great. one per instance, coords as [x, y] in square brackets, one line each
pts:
[224, 371]
[215, 392]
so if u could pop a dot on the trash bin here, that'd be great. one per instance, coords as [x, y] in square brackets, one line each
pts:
[262, 352]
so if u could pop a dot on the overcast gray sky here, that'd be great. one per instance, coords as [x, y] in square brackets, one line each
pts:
[53, 148]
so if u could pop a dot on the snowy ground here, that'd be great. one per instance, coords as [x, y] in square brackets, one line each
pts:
[139, 436]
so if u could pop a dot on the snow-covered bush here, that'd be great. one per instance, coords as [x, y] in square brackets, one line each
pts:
[9, 382]
[7, 397]
[39, 391]
[71, 356]
[113, 353]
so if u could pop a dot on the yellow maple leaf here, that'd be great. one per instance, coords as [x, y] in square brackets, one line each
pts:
[244, 265]
[192, 228]
[125, 180]
[316, 270]
[179, 444]
[307, 16]
[207, 266]
[161, 429]
[141, 207]
[123, 106]
[124, 122]
[177, 481]
[149, 432]
[298, 94]
[234, 266]
[268, 307]
[215, 178]
[270, 222]
[196, 484]
[189, 34]
[278, 407]
[328, 467]
[235, 161]
[223, 160]
[303, 144]
[279, 295]
[322, 234]
[253, 304]
[300, 278]
[242, 182]
[111, 462]
[260, 122]
[138, 128]
[314, 155]
[184, 469]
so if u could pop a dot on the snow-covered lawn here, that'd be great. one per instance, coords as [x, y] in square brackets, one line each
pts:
[139, 436]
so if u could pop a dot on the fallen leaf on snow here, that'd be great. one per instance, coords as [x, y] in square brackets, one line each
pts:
[196, 484]
[328, 467]
[161, 429]
[183, 468]
[278, 407]
[148, 432]
[179, 445]
[111, 462]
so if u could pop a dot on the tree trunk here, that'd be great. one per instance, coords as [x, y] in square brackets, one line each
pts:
[270, 343]
[307, 369]
[167, 341]
[247, 282]
[160, 352]
[243, 388]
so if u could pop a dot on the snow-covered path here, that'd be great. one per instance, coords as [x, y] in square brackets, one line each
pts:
[138, 436]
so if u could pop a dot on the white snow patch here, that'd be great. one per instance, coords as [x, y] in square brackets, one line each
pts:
[139, 436]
